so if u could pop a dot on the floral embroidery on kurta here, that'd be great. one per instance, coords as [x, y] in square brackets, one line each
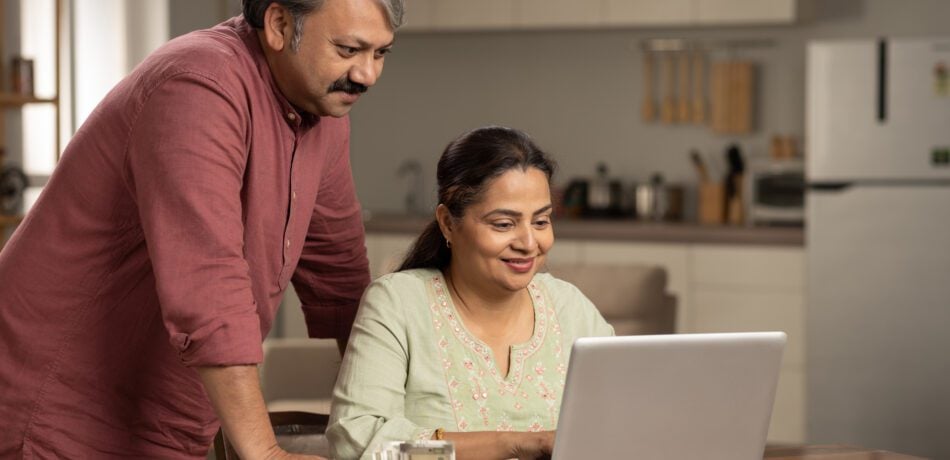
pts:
[482, 398]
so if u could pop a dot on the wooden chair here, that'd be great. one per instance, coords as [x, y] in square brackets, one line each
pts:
[632, 298]
[298, 374]
[298, 432]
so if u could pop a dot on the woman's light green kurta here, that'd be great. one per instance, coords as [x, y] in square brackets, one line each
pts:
[411, 365]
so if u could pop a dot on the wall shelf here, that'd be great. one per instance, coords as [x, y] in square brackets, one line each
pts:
[5, 222]
[19, 100]
[12, 102]
[9, 220]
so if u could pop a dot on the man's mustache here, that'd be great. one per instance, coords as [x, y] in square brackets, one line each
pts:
[348, 86]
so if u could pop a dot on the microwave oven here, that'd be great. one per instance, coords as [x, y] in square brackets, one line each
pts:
[776, 192]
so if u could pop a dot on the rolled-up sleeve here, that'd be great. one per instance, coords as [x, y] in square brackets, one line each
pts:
[187, 160]
[333, 270]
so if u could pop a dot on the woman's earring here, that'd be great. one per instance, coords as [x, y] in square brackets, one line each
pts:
[448, 244]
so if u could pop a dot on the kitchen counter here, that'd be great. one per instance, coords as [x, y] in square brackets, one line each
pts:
[622, 230]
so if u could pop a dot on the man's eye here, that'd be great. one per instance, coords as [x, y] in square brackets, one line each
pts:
[542, 223]
[502, 225]
[383, 52]
[347, 50]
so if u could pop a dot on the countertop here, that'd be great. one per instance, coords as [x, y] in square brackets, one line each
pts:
[622, 230]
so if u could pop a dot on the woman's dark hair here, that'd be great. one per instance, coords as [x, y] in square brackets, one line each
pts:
[466, 167]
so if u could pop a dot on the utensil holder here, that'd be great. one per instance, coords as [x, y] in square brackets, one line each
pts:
[711, 203]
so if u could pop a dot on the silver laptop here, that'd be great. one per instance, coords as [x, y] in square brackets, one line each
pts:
[679, 396]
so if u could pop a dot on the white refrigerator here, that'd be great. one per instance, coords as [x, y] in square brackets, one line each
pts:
[878, 244]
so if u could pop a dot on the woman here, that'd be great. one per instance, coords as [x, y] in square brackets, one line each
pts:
[467, 341]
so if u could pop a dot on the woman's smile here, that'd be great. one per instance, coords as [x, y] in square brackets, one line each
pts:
[520, 265]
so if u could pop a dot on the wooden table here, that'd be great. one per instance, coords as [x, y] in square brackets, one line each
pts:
[831, 452]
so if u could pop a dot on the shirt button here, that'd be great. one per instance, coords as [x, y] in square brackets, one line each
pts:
[288, 243]
[293, 195]
[292, 116]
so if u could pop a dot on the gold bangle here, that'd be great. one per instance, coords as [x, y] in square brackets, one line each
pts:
[439, 434]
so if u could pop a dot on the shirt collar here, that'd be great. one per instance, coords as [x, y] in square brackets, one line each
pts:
[297, 119]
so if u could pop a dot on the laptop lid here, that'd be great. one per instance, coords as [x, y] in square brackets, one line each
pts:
[678, 396]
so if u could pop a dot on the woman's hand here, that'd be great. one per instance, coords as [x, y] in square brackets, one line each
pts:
[530, 446]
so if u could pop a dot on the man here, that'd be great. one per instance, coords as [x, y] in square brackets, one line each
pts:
[135, 295]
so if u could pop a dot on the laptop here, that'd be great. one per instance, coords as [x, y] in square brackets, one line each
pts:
[678, 396]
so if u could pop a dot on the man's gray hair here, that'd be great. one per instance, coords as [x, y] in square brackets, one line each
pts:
[299, 9]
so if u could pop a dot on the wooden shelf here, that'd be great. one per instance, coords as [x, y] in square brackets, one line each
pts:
[19, 100]
[13, 101]
[6, 220]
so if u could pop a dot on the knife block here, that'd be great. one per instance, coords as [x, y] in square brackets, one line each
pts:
[711, 201]
[735, 214]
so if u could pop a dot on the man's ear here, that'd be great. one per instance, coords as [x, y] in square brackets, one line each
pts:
[444, 218]
[278, 27]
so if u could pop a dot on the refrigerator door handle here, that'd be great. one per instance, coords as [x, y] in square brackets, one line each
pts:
[882, 81]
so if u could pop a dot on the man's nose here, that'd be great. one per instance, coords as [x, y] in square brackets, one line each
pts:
[366, 71]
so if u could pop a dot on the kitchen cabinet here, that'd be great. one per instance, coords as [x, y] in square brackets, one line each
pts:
[557, 13]
[459, 15]
[743, 288]
[488, 15]
[419, 15]
[718, 287]
[714, 12]
[483, 14]
[647, 12]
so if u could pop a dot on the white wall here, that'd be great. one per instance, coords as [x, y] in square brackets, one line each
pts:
[111, 37]
[99, 51]
[190, 15]
[147, 29]
[578, 93]
[38, 34]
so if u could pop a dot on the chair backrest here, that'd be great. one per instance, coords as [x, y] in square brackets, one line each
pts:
[299, 369]
[297, 432]
[632, 298]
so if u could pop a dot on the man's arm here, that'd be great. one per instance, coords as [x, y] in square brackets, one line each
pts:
[235, 393]
[236, 396]
[187, 161]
